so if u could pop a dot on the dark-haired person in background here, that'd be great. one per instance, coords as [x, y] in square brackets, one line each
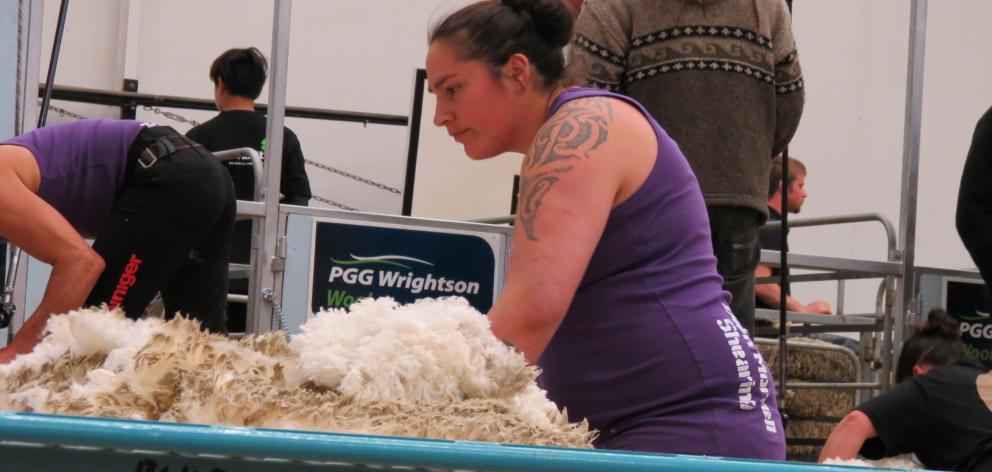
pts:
[939, 409]
[238, 76]
[159, 207]
[722, 77]
[612, 287]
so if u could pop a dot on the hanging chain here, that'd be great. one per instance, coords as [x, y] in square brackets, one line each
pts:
[183, 119]
[353, 177]
[173, 116]
[18, 120]
[170, 115]
[269, 295]
[63, 112]
[334, 203]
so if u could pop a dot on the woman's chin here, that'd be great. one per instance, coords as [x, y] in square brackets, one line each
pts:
[478, 154]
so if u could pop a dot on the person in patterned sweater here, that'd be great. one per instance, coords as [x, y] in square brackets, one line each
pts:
[723, 78]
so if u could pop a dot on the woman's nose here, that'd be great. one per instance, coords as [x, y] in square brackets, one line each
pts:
[441, 115]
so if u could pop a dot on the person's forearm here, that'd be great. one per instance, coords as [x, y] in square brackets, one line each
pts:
[841, 445]
[846, 439]
[770, 294]
[531, 343]
[68, 286]
[524, 325]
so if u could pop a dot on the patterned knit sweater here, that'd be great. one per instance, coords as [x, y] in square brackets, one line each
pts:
[720, 76]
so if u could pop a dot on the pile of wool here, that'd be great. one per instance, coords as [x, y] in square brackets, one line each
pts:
[430, 369]
[905, 461]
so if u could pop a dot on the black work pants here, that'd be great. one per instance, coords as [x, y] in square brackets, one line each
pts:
[169, 232]
[736, 245]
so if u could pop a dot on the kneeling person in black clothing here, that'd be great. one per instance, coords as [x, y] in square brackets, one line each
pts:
[238, 76]
[159, 207]
[940, 409]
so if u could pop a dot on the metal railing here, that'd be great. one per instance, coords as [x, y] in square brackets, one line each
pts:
[841, 270]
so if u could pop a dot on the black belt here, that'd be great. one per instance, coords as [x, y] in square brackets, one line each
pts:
[162, 147]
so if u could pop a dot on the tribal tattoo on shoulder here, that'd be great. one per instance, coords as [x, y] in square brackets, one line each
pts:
[578, 128]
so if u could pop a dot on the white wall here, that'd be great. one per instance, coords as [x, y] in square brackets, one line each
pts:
[854, 57]
[354, 55]
[360, 55]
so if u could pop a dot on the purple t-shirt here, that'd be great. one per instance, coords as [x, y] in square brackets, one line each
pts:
[82, 167]
[649, 352]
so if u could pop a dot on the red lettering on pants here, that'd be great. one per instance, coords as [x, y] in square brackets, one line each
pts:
[127, 279]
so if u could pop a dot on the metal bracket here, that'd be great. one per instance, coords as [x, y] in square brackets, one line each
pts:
[6, 314]
[129, 107]
[279, 260]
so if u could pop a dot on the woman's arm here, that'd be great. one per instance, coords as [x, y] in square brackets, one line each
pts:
[34, 226]
[584, 160]
[848, 436]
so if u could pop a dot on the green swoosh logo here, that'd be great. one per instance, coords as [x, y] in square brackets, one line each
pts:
[370, 261]
[978, 316]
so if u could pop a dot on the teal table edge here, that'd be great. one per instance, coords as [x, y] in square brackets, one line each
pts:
[255, 443]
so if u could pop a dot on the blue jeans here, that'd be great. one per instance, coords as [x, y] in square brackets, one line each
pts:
[734, 231]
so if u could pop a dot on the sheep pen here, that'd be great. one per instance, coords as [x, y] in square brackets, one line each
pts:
[430, 369]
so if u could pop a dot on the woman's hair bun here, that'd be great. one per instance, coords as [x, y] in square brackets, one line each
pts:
[551, 19]
[940, 324]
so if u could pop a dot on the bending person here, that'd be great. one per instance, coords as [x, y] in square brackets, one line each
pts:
[939, 410]
[612, 287]
[160, 207]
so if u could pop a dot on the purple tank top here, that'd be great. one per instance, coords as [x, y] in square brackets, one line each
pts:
[649, 352]
[82, 167]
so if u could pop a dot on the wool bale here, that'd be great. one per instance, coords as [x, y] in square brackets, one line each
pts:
[812, 413]
[805, 361]
[813, 403]
[798, 431]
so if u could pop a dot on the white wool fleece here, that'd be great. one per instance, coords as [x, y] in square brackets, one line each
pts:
[86, 332]
[436, 349]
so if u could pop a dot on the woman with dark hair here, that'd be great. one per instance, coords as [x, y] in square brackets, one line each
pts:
[938, 410]
[612, 288]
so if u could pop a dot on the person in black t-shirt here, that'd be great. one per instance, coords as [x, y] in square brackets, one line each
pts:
[238, 76]
[939, 409]
[767, 294]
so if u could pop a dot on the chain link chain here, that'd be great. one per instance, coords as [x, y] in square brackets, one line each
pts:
[334, 203]
[63, 112]
[269, 295]
[353, 177]
[173, 116]
[170, 115]
[18, 105]
[183, 119]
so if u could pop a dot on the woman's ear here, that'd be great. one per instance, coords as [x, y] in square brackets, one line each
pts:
[517, 70]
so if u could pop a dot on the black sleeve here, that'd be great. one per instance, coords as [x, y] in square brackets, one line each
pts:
[197, 134]
[295, 186]
[770, 238]
[900, 419]
[974, 212]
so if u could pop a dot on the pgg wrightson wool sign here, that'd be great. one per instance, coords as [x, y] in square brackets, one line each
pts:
[353, 261]
[969, 303]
